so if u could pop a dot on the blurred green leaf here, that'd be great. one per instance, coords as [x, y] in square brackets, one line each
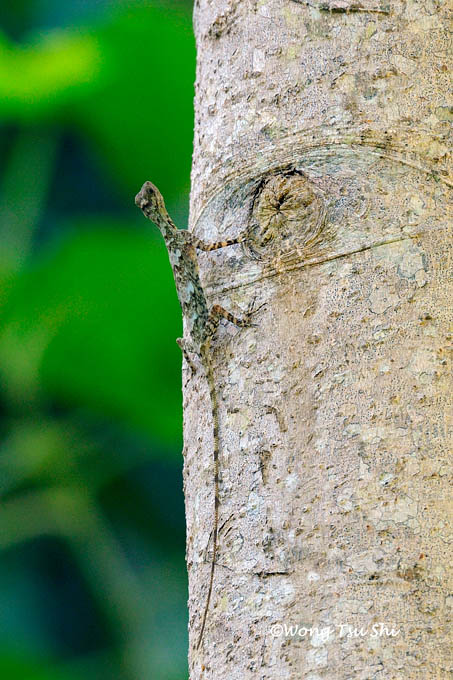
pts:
[94, 326]
[39, 449]
[15, 667]
[142, 116]
[128, 85]
[25, 185]
[37, 79]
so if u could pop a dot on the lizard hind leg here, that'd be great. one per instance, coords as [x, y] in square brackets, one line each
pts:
[217, 312]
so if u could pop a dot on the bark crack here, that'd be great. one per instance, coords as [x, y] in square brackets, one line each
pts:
[292, 265]
[339, 7]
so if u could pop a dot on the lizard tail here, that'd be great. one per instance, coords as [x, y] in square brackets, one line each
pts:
[215, 417]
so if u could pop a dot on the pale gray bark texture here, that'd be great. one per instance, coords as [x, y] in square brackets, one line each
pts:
[324, 134]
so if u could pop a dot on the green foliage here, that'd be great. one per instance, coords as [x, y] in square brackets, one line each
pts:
[153, 59]
[94, 99]
[37, 80]
[127, 84]
[17, 668]
[93, 326]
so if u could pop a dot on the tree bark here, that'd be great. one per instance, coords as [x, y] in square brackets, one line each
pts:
[324, 135]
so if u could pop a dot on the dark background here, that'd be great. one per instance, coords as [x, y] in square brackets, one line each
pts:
[95, 97]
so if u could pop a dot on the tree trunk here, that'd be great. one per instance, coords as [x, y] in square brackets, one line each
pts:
[324, 135]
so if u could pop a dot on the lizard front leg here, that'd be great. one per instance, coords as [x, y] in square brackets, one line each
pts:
[206, 247]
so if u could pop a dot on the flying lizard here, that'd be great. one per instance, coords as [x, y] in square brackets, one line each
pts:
[201, 321]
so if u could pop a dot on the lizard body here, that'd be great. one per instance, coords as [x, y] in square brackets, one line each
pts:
[201, 321]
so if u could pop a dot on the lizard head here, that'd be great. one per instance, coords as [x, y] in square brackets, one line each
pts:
[151, 203]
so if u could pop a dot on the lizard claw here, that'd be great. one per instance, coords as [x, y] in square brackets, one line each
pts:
[252, 310]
